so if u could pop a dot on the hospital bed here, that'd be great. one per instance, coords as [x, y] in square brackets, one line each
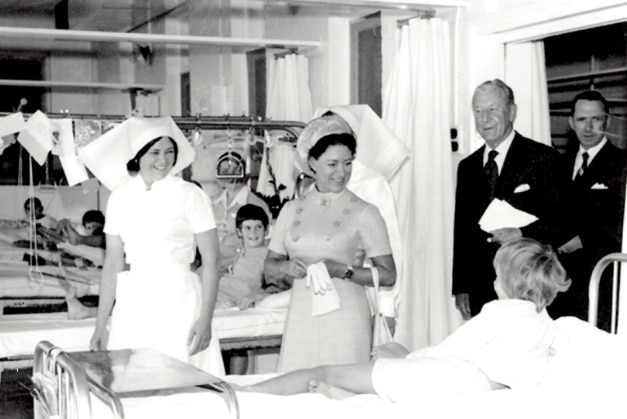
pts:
[253, 329]
[63, 383]
[25, 284]
[584, 378]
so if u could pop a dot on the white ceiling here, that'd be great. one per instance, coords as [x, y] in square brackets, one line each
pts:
[99, 15]
[125, 15]
[136, 15]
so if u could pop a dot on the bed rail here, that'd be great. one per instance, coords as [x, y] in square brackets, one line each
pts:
[616, 259]
[59, 386]
[63, 382]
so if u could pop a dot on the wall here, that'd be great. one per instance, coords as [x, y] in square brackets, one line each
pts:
[73, 67]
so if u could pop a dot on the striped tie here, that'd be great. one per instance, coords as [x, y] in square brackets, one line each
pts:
[491, 172]
[584, 165]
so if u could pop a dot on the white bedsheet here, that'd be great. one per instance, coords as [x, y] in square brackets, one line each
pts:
[18, 280]
[585, 380]
[20, 333]
[493, 405]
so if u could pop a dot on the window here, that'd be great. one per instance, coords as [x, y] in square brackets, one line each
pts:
[366, 62]
[586, 60]
[14, 160]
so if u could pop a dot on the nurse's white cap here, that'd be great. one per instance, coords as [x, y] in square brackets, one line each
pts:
[107, 155]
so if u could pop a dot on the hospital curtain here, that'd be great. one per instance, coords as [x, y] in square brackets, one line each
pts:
[417, 107]
[525, 73]
[289, 96]
[289, 99]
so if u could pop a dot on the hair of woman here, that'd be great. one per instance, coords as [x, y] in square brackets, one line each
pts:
[133, 165]
[327, 141]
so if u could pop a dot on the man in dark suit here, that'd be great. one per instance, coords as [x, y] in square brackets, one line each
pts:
[523, 173]
[594, 200]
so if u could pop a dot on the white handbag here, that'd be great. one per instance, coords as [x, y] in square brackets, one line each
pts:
[381, 332]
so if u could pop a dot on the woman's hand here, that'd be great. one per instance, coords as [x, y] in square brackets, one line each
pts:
[99, 339]
[296, 268]
[199, 337]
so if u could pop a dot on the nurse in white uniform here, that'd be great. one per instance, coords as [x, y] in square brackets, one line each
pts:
[154, 222]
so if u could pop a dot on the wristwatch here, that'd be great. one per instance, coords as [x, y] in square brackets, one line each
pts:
[348, 273]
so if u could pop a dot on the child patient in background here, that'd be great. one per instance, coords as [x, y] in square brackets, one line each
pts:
[34, 210]
[508, 344]
[241, 285]
[90, 233]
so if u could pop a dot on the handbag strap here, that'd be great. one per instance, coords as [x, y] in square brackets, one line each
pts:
[375, 281]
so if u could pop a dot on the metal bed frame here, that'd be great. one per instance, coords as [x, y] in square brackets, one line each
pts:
[62, 387]
[616, 260]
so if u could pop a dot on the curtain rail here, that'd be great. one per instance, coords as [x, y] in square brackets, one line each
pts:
[194, 122]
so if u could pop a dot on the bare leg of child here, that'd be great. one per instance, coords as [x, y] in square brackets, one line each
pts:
[356, 378]
[75, 309]
[329, 390]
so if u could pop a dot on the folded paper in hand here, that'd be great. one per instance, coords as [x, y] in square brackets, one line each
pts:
[325, 298]
[501, 214]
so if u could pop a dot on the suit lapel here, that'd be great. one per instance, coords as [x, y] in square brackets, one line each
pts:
[599, 164]
[512, 169]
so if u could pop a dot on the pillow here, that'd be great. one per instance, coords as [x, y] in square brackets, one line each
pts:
[280, 300]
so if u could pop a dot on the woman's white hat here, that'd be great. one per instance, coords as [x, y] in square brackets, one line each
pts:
[107, 155]
[378, 147]
[315, 130]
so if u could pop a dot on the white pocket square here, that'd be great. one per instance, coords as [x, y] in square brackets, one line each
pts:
[598, 186]
[522, 188]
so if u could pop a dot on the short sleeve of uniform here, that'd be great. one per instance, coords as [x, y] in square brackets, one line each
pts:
[373, 233]
[113, 215]
[279, 231]
[199, 210]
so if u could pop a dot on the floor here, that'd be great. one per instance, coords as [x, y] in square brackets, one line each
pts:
[15, 399]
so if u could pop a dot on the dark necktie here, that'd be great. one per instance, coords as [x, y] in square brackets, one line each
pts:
[584, 165]
[491, 172]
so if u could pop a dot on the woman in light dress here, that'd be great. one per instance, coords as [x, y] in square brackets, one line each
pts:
[332, 228]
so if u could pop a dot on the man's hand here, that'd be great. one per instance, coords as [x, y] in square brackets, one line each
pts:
[504, 235]
[462, 302]
[571, 245]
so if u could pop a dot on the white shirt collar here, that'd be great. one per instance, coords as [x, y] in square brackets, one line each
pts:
[592, 152]
[502, 149]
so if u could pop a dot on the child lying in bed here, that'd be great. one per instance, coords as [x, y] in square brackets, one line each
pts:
[91, 233]
[507, 345]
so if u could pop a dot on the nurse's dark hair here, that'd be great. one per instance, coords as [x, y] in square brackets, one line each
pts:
[327, 141]
[132, 166]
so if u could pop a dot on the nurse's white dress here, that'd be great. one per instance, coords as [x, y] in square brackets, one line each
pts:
[158, 298]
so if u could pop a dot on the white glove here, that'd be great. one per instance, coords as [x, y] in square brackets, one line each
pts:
[318, 278]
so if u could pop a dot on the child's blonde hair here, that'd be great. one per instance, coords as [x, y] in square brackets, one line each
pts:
[530, 271]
